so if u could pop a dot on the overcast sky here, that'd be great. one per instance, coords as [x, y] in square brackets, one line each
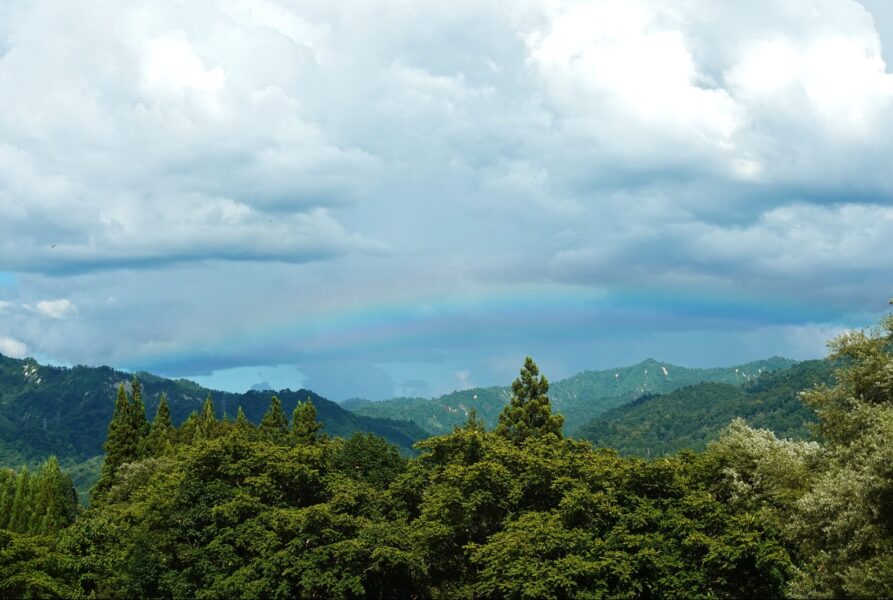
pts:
[392, 197]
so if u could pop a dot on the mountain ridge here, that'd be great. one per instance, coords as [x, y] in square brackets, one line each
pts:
[580, 397]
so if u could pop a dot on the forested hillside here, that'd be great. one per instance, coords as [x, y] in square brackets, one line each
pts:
[64, 412]
[579, 398]
[225, 508]
[692, 416]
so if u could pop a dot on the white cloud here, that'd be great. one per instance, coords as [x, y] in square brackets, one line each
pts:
[12, 348]
[55, 309]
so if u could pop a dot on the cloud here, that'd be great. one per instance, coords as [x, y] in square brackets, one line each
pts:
[13, 348]
[259, 183]
[54, 309]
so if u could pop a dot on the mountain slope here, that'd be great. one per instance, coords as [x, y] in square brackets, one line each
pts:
[579, 398]
[53, 410]
[692, 416]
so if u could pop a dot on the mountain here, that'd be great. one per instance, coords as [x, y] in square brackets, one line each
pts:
[65, 411]
[690, 417]
[579, 398]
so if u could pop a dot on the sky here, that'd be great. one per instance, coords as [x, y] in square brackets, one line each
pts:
[380, 198]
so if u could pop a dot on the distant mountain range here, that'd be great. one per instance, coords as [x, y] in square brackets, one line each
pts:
[650, 407]
[692, 416]
[579, 398]
[65, 411]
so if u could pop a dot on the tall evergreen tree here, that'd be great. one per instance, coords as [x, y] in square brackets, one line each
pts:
[158, 440]
[23, 503]
[138, 410]
[54, 498]
[275, 422]
[120, 445]
[305, 428]
[529, 414]
[206, 426]
[7, 495]
[242, 422]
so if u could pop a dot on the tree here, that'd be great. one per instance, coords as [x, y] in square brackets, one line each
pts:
[367, 457]
[138, 411]
[305, 428]
[529, 414]
[160, 434]
[121, 444]
[242, 422]
[207, 421]
[23, 503]
[274, 422]
[845, 522]
[55, 502]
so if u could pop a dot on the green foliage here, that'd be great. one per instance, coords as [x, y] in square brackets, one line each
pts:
[160, 437]
[844, 523]
[40, 503]
[30, 569]
[220, 509]
[529, 413]
[121, 445]
[305, 428]
[206, 424]
[139, 425]
[368, 458]
[274, 425]
[46, 410]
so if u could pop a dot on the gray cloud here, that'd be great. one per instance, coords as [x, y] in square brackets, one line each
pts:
[213, 186]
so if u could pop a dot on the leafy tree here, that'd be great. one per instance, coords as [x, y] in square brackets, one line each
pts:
[845, 521]
[367, 457]
[29, 568]
[529, 414]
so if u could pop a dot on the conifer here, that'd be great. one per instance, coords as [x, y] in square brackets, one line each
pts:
[242, 422]
[207, 421]
[54, 499]
[138, 419]
[529, 414]
[160, 433]
[305, 428]
[120, 445]
[22, 504]
[274, 422]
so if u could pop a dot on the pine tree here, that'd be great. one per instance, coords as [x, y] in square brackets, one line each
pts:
[529, 413]
[55, 503]
[120, 446]
[22, 504]
[206, 426]
[241, 419]
[7, 495]
[305, 428]
[158, 440]
[138, 411]
[275, 422]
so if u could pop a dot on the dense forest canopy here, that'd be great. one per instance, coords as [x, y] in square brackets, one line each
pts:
[221, 508]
